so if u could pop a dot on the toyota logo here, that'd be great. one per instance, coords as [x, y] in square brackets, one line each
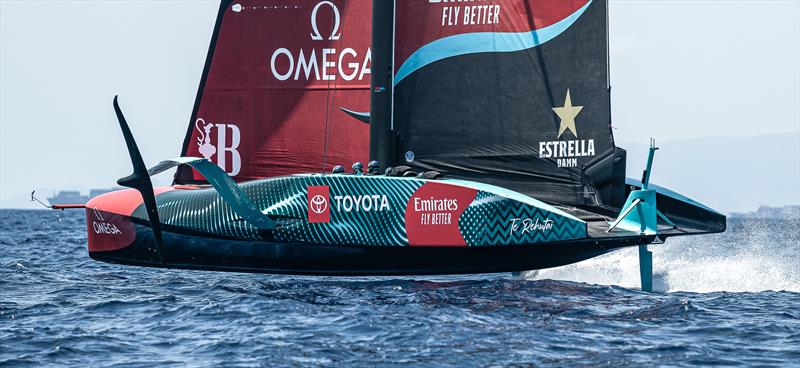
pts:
[318, 204]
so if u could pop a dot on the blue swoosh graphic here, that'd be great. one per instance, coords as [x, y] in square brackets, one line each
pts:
[472, 43]
[360, 116]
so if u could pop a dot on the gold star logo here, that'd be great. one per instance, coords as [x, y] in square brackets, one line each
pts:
[567, 114]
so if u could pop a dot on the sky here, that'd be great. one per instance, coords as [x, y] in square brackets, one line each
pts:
[681, 71]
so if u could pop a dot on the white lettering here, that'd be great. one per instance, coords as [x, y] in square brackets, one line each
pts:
[352, 66]
[222, 147]
[105, 228]
[567, 149]
[423, 205]
[472, 14]
[282, 51]
[361, 203]
[302, 64]
[307, 68]
[327, 64]
[364, 68]
[524, 226]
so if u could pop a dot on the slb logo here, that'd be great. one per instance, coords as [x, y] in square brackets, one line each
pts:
[319, 208]
[222, 149]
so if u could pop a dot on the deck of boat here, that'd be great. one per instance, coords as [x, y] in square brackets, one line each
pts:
[599, 219]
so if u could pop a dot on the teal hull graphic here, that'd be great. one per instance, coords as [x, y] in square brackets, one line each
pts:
[351, 225]
[372, 211]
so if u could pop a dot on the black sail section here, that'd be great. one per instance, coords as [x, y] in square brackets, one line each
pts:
[515, 96]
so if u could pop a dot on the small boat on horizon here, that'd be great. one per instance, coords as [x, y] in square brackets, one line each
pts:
[75, 197]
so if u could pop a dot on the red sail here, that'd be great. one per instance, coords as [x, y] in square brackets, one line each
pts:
[278, 74]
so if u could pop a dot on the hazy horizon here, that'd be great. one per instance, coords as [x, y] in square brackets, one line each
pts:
[680, 71]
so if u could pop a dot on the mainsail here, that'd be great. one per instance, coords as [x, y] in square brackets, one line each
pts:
[278, 80]
[507, 92]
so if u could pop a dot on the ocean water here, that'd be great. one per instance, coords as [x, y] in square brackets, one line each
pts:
[730, 299]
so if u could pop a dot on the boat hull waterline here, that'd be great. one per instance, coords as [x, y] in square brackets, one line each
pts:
[186, 251]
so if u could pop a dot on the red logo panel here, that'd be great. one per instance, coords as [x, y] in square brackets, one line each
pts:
[433, 212]
[108, 231]
[319, 204]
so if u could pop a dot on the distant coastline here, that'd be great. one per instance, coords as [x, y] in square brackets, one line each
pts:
[785, 212]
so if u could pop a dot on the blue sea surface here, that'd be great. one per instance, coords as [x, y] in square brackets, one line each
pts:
[729, 299]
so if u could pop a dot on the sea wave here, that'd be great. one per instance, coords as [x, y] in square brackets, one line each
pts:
[721, 304]
[753, 255]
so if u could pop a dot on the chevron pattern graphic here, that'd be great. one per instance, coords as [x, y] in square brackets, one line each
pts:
[492, 220]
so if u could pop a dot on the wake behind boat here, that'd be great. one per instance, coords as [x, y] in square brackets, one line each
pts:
[489, 139]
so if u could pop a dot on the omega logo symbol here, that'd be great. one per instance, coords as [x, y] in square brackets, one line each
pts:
[316, 35]
[97, 214]
[319, 204]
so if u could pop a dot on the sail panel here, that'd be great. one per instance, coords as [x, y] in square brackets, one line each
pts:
[273, 96]
[507, 92]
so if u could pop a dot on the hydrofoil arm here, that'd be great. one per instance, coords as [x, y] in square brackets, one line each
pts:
[140, 180]
[227, 188]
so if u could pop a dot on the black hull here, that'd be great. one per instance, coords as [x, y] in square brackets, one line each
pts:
[191, 251]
